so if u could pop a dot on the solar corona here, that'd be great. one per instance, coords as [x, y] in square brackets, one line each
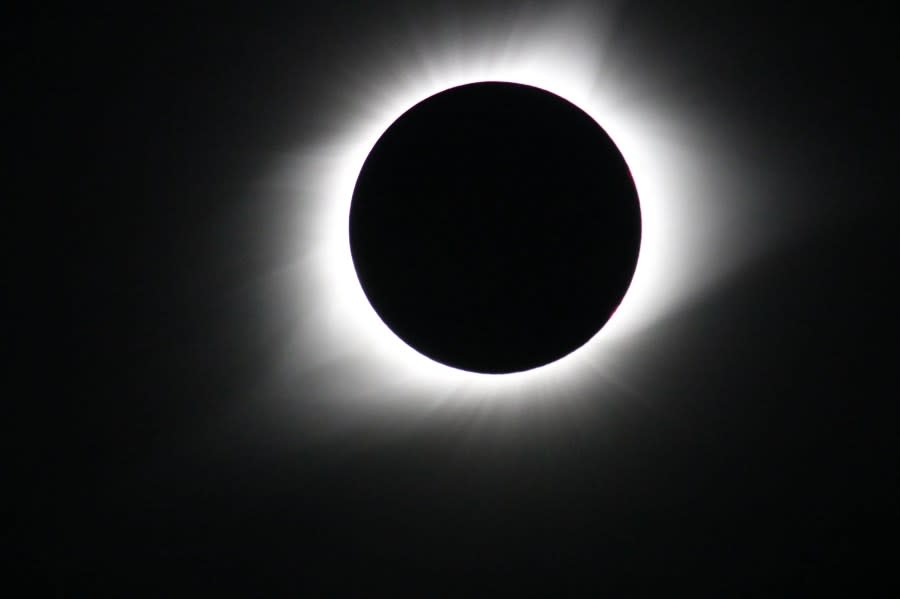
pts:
[448, 251]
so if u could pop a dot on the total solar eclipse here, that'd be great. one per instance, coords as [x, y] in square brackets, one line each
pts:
[495, 227]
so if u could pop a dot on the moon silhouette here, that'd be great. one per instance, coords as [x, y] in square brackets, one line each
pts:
[495, 227]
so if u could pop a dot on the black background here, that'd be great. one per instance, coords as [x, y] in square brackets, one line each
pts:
[759, 457]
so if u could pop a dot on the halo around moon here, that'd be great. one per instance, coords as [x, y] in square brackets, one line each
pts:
[696, 198]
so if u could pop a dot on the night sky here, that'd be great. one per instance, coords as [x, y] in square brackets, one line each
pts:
[193, 436]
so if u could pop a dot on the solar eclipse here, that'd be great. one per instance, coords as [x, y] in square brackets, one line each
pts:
[690, 203]
[589, 294]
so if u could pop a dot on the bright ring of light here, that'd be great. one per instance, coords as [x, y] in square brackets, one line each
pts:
[682, 217]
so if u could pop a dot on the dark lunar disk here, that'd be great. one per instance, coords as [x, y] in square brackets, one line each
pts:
[495, 227]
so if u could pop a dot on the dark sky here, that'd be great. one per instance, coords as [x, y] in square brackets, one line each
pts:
[759, 456]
